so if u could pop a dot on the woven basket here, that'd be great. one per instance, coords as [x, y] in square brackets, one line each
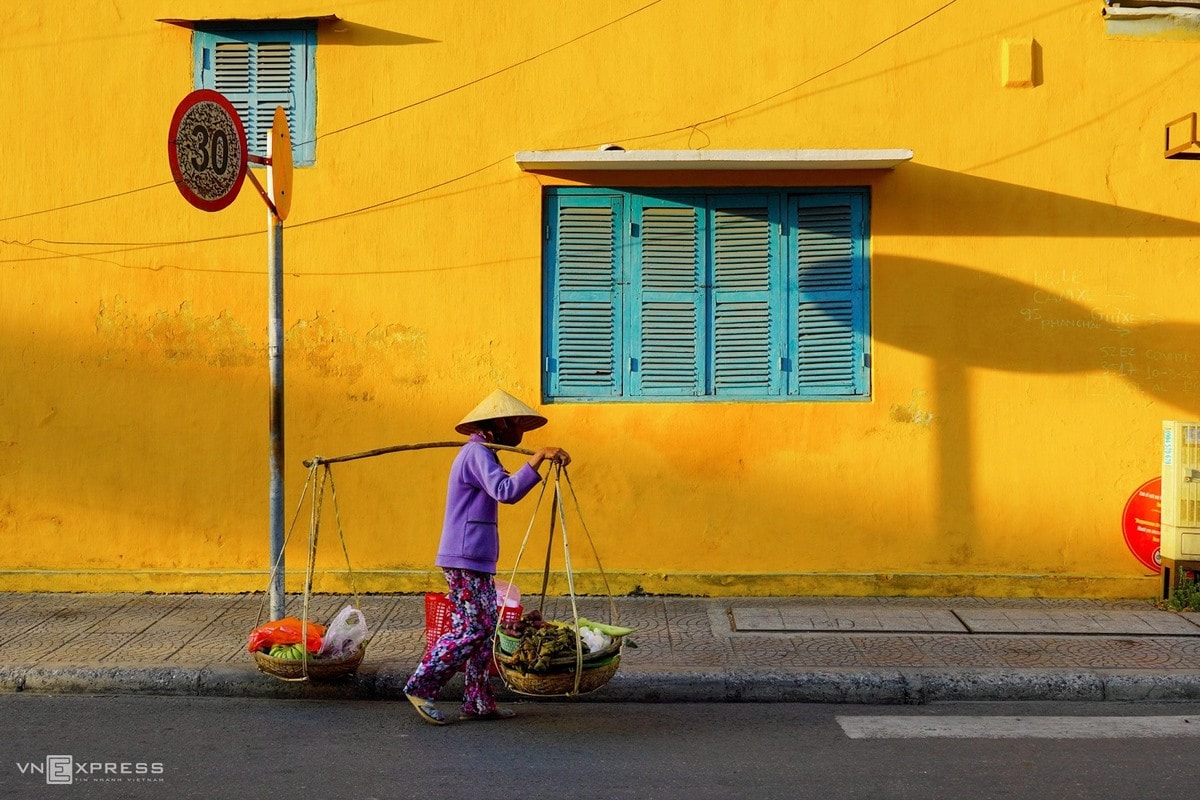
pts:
[318, 669]
[551, 684]
[589, 659]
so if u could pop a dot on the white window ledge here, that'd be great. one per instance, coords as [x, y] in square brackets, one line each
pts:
[1127, 4]
[680, 160]
[1147, 19]
[244, 22]
[1150, 12]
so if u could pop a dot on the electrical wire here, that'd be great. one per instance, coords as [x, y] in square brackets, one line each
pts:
[482, 78]
[126, 247]
[695, 126]
[131, 247]
[86, 202]
[829, 70]
[375, 118]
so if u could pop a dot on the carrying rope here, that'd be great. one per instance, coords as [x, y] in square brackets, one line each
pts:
[557, 516]
[319, 474]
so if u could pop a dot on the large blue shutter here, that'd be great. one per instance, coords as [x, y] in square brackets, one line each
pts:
[668, 336]
[258, 70]
[583, 263]
[828, 266]
[746, 290]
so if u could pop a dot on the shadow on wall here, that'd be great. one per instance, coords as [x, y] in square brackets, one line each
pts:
[974, 319]
[969, 318]
[978, 319]
[344, 32]
[965, 205]
[165, 428]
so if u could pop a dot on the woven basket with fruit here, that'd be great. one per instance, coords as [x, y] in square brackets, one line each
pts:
[292, 663]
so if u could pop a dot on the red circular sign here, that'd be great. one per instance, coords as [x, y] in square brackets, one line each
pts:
[1141, 523]
[206, 146]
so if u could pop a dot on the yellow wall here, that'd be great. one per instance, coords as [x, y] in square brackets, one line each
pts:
[1032, 285]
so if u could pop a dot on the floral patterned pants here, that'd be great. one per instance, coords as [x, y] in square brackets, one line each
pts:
[469, 642]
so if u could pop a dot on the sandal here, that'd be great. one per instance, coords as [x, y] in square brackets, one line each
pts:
[427, 710]
[496, 713]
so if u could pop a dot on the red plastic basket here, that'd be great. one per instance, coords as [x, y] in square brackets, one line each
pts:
[438, 610]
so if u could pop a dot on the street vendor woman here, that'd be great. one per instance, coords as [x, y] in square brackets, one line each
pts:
[468, 552]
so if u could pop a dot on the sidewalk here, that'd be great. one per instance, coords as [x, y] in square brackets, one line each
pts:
[871, 650]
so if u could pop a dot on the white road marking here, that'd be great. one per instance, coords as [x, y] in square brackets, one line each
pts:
[893, 727]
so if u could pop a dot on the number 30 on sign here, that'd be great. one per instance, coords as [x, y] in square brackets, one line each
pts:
[207, 149]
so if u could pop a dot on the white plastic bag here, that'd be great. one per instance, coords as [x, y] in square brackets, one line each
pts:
[344, 635]
[507, 594]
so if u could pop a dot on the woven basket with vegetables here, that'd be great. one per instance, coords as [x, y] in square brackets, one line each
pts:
[549, 657]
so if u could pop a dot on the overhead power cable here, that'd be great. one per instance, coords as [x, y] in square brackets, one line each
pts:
[805, 82]
[86, 202]
[377, 117]
[134, 246]
[482, 78]
[130, 247]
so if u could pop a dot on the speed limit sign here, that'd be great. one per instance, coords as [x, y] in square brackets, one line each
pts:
[207, 149]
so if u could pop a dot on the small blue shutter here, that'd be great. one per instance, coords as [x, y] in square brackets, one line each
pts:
[667, 338]
[746, 291]
[583, 351]
[828, 265]
[274, 70]
[258, 70]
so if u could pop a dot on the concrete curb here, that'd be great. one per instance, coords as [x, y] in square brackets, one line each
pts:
[891, 687]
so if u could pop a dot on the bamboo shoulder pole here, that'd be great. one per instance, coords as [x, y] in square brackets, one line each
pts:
[401, 447]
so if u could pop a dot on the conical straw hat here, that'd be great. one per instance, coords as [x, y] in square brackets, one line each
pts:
[501, 404]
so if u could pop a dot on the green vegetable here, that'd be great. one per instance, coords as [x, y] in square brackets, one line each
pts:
[539, 645]
[611, 630]
[287, 652]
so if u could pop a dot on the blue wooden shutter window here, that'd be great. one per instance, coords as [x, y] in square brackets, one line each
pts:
[584, 347]
[258, 70]
[708, 294]
[668, 333]
[829, 270]
[746, 293]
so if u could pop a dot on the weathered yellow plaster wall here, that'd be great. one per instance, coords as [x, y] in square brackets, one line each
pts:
[1032, 284]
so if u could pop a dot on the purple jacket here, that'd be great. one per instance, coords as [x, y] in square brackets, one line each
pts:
[470, 538]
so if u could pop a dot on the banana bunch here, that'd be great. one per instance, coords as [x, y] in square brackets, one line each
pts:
[607, 630]
[288, 652]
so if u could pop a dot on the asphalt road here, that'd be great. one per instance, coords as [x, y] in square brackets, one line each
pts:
[174, 747]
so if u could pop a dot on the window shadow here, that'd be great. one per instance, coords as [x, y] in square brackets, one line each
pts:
[929, 201]
[354, 34]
